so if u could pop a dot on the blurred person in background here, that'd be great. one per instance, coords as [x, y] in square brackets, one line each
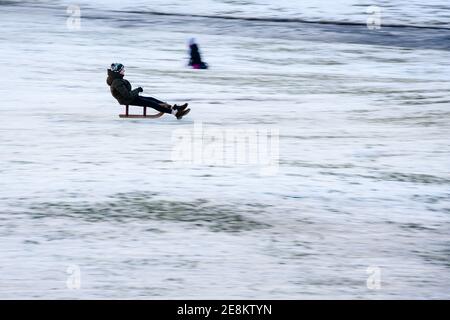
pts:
[195, 60]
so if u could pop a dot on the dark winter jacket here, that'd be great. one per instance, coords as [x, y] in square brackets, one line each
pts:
[121, 88]
[195, 55]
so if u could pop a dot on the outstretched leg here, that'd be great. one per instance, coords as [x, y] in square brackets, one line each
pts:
[154, 100]
[177, 111]
[152, 103]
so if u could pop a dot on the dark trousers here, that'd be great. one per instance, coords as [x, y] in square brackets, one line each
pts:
[150, 102]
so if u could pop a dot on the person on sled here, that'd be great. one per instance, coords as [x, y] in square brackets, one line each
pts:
[122, 91]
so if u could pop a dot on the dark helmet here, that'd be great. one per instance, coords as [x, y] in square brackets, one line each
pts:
[117, 67]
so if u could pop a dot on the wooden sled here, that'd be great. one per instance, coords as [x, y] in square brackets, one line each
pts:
[143, 115]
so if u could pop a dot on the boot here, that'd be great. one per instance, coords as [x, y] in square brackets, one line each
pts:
[182, 107]
[181, 113]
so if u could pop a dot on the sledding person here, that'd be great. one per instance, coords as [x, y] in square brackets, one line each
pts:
[121, 90]
[195, 60]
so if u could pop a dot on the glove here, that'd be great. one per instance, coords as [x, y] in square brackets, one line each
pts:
[140, 89]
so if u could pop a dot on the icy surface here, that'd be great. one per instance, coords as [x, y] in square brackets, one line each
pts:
[364, 154]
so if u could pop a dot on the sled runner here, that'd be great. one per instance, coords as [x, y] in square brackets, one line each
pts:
[143, 115]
